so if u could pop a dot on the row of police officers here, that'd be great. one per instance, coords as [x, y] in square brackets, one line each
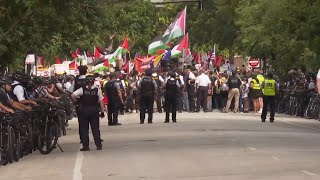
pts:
[89, 102]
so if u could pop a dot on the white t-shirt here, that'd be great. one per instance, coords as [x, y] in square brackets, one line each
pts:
[192, 76]
[18, 91]
[318, 75]
[203, 80]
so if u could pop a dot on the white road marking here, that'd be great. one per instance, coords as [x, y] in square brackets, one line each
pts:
[252, 148]
[275, 158]
[300, 125]
[77, 174]
[308, 173]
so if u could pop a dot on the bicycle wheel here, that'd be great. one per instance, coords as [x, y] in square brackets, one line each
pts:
[16, 148]
[6, 153]
[48, 141]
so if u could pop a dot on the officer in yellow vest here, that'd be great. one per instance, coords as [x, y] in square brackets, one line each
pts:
[255, 93]
[271, 88]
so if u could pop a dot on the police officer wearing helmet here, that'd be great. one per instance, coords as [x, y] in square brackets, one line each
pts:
[148, 88]
[90, 103]
[171, 96]
[19, 91]
[115, 99]
[271, 88]
[5, 86]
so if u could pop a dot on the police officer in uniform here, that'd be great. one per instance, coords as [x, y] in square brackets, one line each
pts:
[90, 103]
[148, 88]
[79, 83]
[115, 99]
[270, 87]
[171, 96]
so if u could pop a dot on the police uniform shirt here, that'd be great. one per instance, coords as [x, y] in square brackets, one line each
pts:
[203, 80]
[19, 91]
[78, 93]
[177, 82]
[153, 81]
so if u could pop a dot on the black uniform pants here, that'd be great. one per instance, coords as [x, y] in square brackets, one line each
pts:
[90, 115]
[146, 103]
[171, 105]
[79, 124]
[268, 100]
[158, 100]
[202, 98]
[191, 96]
[113, 111]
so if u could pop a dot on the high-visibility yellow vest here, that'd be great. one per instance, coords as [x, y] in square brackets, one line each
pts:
[269, 87]
[256, 85]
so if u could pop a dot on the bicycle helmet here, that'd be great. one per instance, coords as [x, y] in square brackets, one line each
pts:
[5, 80]
[18, 76]
[37, 80]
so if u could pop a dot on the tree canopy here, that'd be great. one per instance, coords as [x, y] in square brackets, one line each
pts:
[286, 33]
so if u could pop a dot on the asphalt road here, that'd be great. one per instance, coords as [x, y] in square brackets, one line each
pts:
[201, 146]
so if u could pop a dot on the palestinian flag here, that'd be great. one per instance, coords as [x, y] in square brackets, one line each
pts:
[178, 49]
[175, 30]
[122, 49]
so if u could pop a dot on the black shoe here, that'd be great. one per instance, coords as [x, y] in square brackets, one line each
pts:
[150, 122]
[99, 148]
[174, 121]
[141, 122]
[166, 121]
[85, 149]
[271, 120]
[101, 140]
[117, 124]
[263, 120]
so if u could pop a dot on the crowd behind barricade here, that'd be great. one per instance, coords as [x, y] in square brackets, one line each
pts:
[35, 110]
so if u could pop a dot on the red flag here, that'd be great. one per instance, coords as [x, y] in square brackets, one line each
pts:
[141, 64]
[125, 67]
[74, 55]
[184, 44]
[106, 63]
[197, 58]
[218, 61]
[125, 44]
[97, 53]
[58, 60]
[78, 51]
[73, 65]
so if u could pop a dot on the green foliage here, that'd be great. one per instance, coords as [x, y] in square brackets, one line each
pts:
[285, 32]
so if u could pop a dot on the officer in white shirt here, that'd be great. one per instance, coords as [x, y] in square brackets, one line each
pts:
[318, 81]
[203, 83]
